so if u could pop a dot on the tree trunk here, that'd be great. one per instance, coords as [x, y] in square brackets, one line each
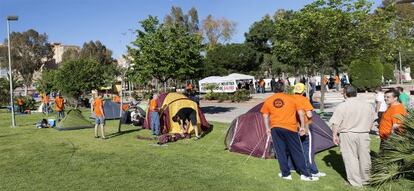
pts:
[322, 100]
[25, 90]
[165, 86]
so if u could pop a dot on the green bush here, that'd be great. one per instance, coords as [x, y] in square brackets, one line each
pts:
[223, 97]
[412, 70]
[238, 96]
[366, 73]
[388, 72]
[241, 95]
[4, 92]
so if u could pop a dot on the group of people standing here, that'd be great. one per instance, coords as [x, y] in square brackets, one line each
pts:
[288, 119]
[352, 122]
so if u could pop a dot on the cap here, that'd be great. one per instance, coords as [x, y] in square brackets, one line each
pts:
[299, 88]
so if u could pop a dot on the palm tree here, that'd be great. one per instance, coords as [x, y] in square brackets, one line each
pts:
[396, 160]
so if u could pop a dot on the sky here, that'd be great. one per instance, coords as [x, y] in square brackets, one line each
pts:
[73, 22]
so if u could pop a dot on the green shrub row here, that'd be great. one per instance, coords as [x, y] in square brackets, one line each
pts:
[238, 96]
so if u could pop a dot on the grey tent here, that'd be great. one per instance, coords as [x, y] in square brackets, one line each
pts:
[247, 135]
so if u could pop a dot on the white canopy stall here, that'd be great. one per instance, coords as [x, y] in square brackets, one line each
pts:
[225, 84]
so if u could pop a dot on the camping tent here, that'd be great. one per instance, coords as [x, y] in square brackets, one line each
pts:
[170, 104]
[247, 135]
[74, 120]
[111, 110]
[226, 84]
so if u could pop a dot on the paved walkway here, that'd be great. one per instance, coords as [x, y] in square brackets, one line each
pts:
[228, 111]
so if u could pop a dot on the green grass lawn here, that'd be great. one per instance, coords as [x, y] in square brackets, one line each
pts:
[47, 159]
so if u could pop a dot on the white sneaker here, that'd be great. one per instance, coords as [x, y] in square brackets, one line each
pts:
[307, 178]
[319, 174]
[285, 177]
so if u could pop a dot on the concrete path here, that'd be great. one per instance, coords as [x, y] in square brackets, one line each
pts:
[227, 111]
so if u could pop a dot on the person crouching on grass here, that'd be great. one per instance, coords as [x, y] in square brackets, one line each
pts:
[183, 117]
[99, 116]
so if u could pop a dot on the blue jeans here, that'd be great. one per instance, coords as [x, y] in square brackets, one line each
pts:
[46, 108]
[284, 142]
[155, 123]
[309, 157]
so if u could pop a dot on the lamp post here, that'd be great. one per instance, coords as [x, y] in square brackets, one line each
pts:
[11, 18]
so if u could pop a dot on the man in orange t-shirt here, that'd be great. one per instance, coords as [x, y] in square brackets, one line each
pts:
[155, 117]
[60, 106]
[20, 104]
[97, 108]
[306, 139]
[390, 121]
[282, 109]
[46, 101]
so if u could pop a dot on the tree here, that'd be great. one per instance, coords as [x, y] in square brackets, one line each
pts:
[96, 51]
[397, 159]
[329, 35]
[366, 74]
[188, 21]
[225, 59]
[165, 52]
[217, 31]
[77, 77]
[260, 35]
[70, 54]
[388, 72]
[30, 50]
[48, 81]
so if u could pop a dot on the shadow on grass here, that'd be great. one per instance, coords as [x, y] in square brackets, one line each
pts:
[116, 134]
[216, 109]
[335, 161]
[209, 130]
[8, 135]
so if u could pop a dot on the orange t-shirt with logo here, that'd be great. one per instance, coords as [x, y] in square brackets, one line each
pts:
[59, 103]
[389, 118]
[281, 109]
[153, 105]
[46, 99]
[303, 104]
[97, 107]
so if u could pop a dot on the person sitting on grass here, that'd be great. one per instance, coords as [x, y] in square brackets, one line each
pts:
[183, 117]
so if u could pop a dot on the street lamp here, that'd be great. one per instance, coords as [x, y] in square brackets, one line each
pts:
[11, 18]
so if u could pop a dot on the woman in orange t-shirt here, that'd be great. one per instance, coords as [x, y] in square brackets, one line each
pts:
[390, 121]
[99, 116]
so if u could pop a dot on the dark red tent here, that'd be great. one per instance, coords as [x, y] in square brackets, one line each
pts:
[247, 135]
